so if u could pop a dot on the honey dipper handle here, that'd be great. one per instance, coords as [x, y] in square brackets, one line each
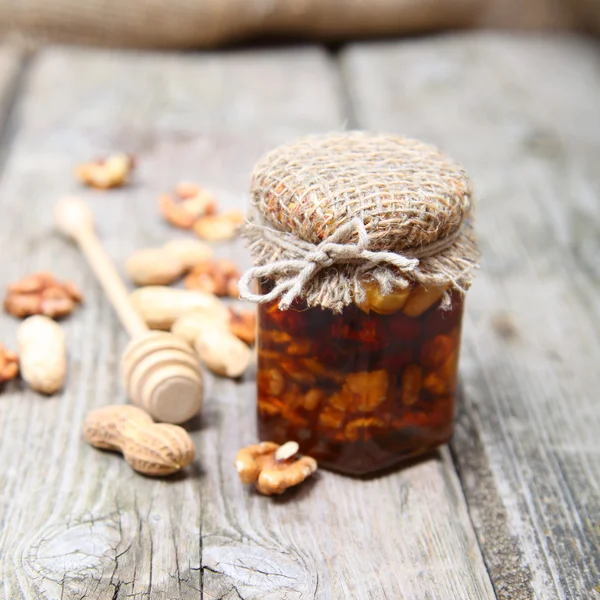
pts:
[74, 219]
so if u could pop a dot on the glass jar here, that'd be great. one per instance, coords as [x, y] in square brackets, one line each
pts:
[363, 390]
[363, 247]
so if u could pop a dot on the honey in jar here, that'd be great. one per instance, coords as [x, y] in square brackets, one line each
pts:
[364, 250]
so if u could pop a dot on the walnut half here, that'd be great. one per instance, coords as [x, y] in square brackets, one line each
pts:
[41, 294]
[272, 467]
[106, 173]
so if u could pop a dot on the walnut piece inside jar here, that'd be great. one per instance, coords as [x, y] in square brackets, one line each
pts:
[383, 304]
[41, 294]
[273, 468]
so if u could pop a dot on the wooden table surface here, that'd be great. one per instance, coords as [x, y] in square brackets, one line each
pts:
[510, 510]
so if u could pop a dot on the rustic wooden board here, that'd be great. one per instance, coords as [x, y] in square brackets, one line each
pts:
[12, 59]
[522, 114]
[76, 522]
[13, 64]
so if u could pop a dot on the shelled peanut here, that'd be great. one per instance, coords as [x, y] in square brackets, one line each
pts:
[376, 377]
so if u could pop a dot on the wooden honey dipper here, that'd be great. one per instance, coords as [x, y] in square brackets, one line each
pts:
[160, 372]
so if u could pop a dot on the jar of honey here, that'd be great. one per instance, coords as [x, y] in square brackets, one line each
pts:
[364, 248]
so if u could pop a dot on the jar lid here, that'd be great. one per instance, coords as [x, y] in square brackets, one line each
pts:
[406, 193]
[361, 206]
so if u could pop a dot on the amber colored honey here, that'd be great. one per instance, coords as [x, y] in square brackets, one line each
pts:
[359, 392]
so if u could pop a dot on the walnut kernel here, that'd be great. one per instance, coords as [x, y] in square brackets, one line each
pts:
[41, 294]
[442, 381]
[259, 464]
[271, 380]
[368, 388]
[189, 204]
[106, 173]
[411, 384]
[331, 418]
[217, 277]
[359, 428]
[435, 352]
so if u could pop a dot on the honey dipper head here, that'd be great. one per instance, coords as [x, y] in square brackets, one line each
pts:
[71, 216]
[162, 375]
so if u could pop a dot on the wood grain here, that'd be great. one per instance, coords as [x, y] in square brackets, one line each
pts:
[76, 522]
[12, 59]
[522, 114]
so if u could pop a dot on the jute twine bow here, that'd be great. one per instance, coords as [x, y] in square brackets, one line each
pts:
[294, 274]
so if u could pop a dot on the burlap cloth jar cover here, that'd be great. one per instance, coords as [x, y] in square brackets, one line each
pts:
[336, 211]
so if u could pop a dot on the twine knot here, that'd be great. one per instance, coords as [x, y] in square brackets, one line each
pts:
[294, 274]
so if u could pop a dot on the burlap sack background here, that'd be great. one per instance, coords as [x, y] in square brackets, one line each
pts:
[210, 23]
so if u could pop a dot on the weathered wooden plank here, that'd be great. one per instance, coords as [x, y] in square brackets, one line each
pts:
[12, 60]
[77, 523]
[522, 114]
